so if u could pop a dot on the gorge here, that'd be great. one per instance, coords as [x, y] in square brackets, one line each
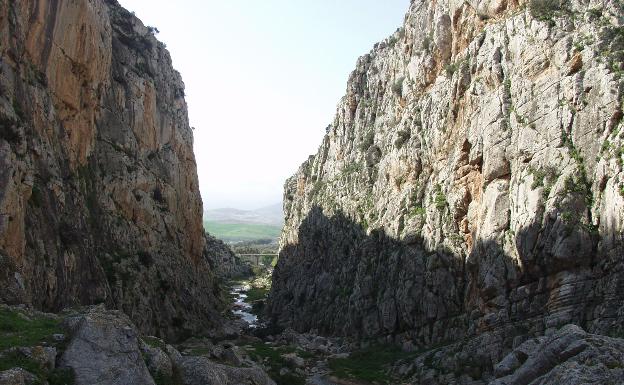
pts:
[462, 218]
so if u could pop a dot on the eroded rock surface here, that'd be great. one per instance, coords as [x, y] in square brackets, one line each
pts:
[470, 187]
[570, 356]
[104, 349]
[224, 261]
[99, 198]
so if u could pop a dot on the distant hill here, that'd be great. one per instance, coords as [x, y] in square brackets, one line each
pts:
[269, 215]
[235, 225]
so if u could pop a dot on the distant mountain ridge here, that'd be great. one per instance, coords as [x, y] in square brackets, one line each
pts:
[269, 215]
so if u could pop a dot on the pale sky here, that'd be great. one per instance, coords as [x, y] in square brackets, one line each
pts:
[263, 78]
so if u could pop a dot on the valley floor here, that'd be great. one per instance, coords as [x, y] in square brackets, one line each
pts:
[95, 345]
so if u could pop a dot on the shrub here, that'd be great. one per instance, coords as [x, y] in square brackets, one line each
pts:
[426, 44]
[440, 198]
[419, 211]
[397, 87]
[403, 136]
[450, 69]
[317, 187]
[544, 10]
[367, 141]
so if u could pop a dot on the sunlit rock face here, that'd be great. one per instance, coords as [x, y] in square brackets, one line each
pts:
[99, 198]
[470, 184]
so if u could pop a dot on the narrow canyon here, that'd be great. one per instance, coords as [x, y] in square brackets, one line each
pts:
[461, 223]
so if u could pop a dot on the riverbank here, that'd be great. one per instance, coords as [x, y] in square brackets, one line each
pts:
[292, 358]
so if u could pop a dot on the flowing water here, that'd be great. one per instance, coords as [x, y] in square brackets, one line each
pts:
[241, 307]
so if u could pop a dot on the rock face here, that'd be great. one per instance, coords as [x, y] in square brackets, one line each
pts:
[99, 198]
[470, 185]
[104, 349]
[223, 261]
[570, 356]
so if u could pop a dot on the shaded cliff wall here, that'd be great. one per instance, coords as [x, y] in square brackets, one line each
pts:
[99, 198]
[470, 184]
[223, 261]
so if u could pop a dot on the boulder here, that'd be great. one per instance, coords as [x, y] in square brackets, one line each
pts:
[104, 350]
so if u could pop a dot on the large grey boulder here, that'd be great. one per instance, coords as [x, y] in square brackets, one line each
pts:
[104, 350]
[570, 356]
[202, 371]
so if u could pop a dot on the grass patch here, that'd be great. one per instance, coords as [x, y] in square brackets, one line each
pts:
[271, 356]
[237, 232]
[440, 199]
[257, 293]
[18, 330]
[59, 376]
[418, 211]
[369, 364]
[154, 342]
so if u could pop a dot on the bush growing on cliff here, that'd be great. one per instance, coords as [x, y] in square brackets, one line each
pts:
[402, 137]
[397, 87]
[439, 198]
[368, 140]
[544, 10]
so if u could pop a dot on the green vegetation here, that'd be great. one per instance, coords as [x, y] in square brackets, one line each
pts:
[451, 68]
[271, 357]
[19, 112]
[440, 199]
[317, 187]
[36, 197]
[18, 330]
[397, 87]
[369, 364]
[622, 190]
[544, 10]
[352, 168]
[403, 136]
[51, 376]
[544, 177]
[368, 140]
[419, 211]
[427, 42]
[237, 232]
[256, 293]
[154, 342]
[579, 183]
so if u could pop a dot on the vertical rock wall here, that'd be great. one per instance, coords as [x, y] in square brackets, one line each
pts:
[471, 182]
[99, 198]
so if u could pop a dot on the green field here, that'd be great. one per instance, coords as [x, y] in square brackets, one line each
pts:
[236, 232]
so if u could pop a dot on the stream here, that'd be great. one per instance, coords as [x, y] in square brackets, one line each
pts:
[241, 308]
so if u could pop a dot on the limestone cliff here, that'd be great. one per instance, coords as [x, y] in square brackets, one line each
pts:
[470, 185]
[223, 261]
[99, 198]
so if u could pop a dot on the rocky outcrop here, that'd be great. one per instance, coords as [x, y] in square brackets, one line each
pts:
[470, 185]
[99, 199]
[202, 371]
[223, 261]
[104, 347]
[566, 356]
[570, 356]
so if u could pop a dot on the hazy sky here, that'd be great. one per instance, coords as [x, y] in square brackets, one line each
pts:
[263, 78]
